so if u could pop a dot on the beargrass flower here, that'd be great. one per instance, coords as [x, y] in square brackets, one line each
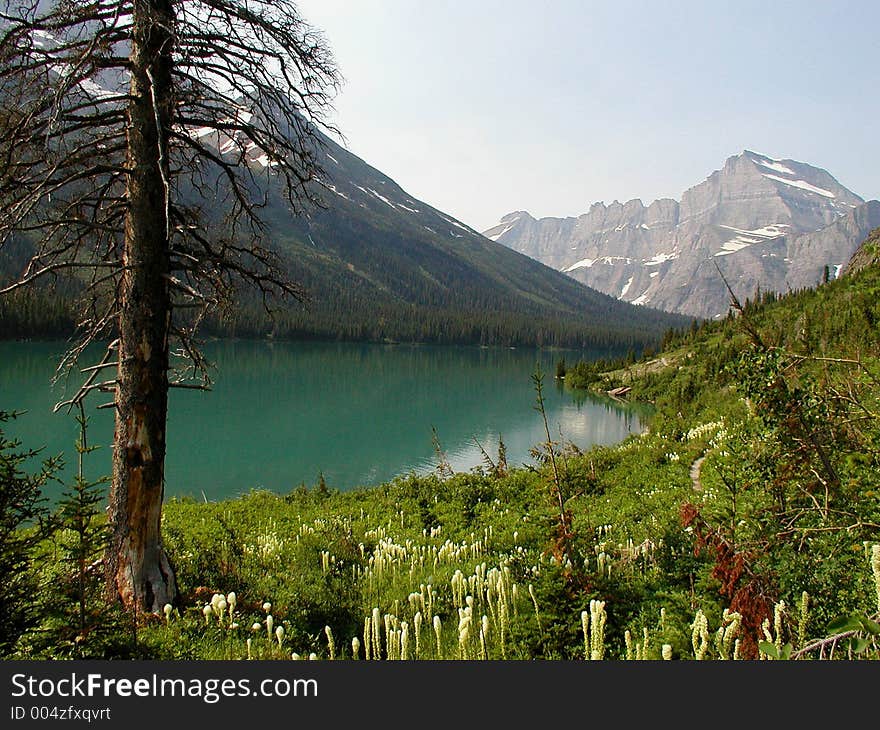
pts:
[585, 628]
[700, 635]
[778, 614]
[376, 626]
[404, 640]
[535, 602]
[598, 617]
[331, 645]
[438, 629]
[417, 623]
[368, 634]
[628, 640]
[875, 569]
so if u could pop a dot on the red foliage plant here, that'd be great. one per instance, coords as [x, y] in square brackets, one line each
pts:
[747, 592]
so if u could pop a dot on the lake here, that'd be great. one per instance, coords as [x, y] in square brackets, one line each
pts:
[280, 414]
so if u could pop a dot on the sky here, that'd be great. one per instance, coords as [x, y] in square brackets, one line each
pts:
[483, 107]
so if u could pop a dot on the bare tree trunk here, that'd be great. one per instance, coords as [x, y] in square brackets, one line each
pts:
[138, 571]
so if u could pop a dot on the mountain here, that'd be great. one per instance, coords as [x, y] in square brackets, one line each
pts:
[761, 222]
[378, 264]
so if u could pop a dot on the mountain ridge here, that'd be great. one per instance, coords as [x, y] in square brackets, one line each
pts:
[379, 265]
[753, 203]
[414, 255]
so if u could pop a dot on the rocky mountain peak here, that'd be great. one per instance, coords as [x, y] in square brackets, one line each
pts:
[753, 190]
[769, 222]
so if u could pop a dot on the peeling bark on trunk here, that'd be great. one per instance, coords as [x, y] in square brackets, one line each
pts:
[138, 571]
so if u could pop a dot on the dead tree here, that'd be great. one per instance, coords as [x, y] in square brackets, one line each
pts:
[124, 126]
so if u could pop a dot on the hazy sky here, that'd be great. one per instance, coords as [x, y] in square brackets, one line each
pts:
[482, 107]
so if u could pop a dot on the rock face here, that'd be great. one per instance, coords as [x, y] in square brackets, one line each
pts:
[868, 254]
[759, 221]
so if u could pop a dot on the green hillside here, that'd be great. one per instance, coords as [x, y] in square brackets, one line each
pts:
[380, 265]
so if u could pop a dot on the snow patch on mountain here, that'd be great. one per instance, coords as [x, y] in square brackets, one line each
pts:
[776, 166]
[738, 243]
[746, 237]
[95, 91]
[333, 189]
[583, 263]
[496, 236]
[660, 258]
[265, 161]
[379, 196]
[774, 230]
[455, 223]
[200, 132]
[802, 184]
[43, 39]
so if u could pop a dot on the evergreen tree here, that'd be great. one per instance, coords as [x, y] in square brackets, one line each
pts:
[84, 544]
[24, 522]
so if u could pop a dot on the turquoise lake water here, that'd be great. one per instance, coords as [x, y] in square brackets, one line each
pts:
[280, 414]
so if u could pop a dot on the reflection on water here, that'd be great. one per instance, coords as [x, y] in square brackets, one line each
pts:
[282, 413]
